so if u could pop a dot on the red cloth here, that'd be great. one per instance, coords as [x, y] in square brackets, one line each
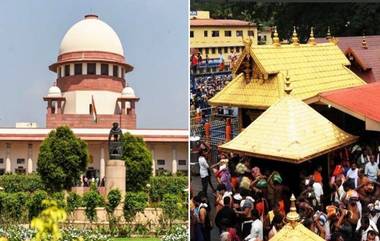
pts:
[260, 207]
[338, 170]
[317, 177]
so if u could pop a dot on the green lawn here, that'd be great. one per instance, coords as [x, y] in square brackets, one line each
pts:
[135, 239]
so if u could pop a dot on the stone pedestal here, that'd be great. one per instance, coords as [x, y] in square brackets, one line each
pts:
[115, 175]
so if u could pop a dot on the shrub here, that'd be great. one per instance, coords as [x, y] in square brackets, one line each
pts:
[47, 222]
[21, 183]
[73, 201]
[35, 203]
[161, 185]
[173, 208]
[113, 200]
[59, 197]
[92, 200]
[12, 207]
[134, 202]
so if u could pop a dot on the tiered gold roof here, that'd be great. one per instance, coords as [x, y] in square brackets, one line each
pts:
[314, 69]
[297, 233]
[289, 131]
[294, 230]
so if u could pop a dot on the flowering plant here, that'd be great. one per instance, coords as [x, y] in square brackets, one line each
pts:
[177, 233]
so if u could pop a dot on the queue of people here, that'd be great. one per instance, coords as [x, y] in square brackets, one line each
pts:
[250, 203]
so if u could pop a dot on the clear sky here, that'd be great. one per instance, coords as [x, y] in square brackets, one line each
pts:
[154, 36]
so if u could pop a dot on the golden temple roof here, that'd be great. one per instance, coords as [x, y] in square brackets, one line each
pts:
[289, 131]
[294, 230]
[298, 233]
[314, 69]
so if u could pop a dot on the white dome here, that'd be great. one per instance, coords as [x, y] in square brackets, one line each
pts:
[91, 34]
[54, 91]
[128, 92]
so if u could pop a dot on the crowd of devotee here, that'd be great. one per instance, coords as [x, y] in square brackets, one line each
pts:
[249, 202]
[205, 88]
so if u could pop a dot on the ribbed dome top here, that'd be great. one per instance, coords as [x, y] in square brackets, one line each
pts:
[128, 92]
[91, 34]
[54, 91]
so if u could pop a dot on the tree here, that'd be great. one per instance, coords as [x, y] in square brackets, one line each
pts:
[62, 159]
[113, 200]
[138, 162]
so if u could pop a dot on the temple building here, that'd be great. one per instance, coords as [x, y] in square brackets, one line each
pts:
[282, 121]
[289, 131]
[260, 72]
[213, 37]
[89, 94]
[362, 52]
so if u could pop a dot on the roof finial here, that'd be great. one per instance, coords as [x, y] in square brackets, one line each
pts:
[364, 42]
[295, 37]
[247, 43]
[292, 216]
[287, 88]
[312, 39]
[276, 39]
[328, 36]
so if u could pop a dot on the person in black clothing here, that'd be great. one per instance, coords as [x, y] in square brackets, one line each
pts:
[204, 216]
[226, 217]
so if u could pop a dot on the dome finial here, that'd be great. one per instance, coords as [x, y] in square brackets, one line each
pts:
[288, 89]
[276, 39]
[292, 216]
[295, 40]
[312, 39]
[364, 42]
[328, 35]
[91, 16]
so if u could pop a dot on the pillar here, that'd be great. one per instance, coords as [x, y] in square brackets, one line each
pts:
[49, 109]
[29, 167]
[153, 163]
[174, 163]
[115, 175]
[123, 107]
[102, 163]
[8, 167]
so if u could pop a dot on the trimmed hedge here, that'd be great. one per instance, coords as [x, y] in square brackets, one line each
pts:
[21, 183]
[161, 185]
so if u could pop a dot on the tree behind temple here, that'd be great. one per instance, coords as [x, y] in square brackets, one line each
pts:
[62, 159]
[138, 162]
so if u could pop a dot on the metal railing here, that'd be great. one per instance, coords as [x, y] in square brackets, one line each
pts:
[210, 125]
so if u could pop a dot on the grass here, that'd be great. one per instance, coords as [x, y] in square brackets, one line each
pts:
[135, 239]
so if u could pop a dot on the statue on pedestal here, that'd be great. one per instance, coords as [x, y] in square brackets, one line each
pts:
[115, 146]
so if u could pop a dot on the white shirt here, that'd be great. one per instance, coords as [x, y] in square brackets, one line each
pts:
[374, 218]
[372, 226]
[256, 231]
[371, 170]
[203, 167]
[354, 175]
[318, 191]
